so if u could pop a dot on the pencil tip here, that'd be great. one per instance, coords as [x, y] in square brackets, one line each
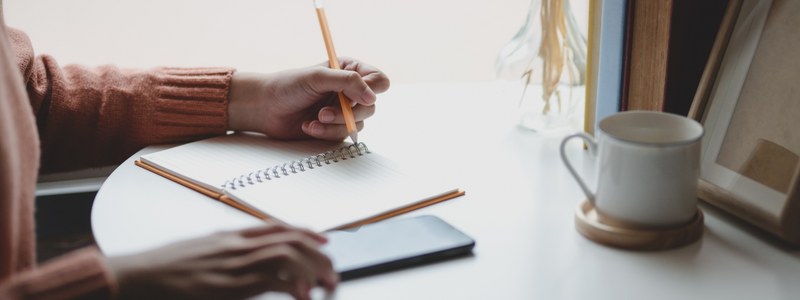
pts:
[354, 137]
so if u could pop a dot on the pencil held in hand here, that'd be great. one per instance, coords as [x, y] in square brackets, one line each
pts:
[334, 61]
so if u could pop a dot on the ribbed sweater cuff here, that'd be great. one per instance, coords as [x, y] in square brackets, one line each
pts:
[77, 275]
[192, 102]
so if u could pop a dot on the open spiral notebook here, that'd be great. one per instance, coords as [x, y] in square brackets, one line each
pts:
[315, 184]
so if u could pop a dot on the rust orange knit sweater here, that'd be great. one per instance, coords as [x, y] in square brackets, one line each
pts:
[64, 118]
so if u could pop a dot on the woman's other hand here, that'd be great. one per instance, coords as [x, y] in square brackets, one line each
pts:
[228, 265]
[303, 103]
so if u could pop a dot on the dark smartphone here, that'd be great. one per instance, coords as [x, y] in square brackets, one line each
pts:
[391, 245]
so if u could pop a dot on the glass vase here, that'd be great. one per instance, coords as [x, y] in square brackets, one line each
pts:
[543, 68]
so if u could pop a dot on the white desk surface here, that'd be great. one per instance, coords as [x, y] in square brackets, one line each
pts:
[519, 208]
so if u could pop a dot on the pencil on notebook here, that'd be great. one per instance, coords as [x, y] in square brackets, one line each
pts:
[334, 61]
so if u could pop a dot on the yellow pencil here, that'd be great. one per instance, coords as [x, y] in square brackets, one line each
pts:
[343, 100]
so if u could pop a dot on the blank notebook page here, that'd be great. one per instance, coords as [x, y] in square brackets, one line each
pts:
[319, 198]
[213, 161]
[337, 194]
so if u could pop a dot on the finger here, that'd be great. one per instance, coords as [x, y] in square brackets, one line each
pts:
[241, 263]
[331, 132]
[334, 114]
[324, 80]
[222, 286]
[250, 284]
[376, 79]
[274, 228]
[303, 290]
[262, 230]
[322, 263]
[220, 244]
[306, 245]
[237, 242]
[248, 244]
[227, 243]
[256, 283]
[286, 258]
[214, 284]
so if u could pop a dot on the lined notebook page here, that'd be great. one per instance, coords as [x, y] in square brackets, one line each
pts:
[213, 161]
[319, 198]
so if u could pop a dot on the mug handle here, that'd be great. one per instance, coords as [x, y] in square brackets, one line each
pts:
[592, 145]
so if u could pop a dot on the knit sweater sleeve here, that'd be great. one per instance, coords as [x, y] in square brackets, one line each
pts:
[90, 117]
[80, 274]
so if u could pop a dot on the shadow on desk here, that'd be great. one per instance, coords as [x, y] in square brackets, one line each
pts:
[466, 256]
[748, 228]
[694, 259]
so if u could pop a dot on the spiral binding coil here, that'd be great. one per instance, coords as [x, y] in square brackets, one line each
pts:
[296, 165]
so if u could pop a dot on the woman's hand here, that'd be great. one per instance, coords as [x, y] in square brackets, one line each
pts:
[228, 265]
[303, 103]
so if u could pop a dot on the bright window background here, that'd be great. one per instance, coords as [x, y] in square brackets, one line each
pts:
[411, 40]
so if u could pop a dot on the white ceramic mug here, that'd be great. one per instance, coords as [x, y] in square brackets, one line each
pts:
[647, 171]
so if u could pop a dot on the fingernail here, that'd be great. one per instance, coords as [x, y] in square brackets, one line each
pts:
[317, 129]
[326, 116]
[368, 96]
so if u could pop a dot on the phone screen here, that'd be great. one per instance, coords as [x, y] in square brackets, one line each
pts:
[390, 245]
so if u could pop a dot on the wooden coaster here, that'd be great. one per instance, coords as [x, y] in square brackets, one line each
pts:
[635, 239]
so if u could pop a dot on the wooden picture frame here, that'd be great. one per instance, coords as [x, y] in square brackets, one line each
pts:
[749, 105]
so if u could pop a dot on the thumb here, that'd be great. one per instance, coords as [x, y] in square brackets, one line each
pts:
[324, 80]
